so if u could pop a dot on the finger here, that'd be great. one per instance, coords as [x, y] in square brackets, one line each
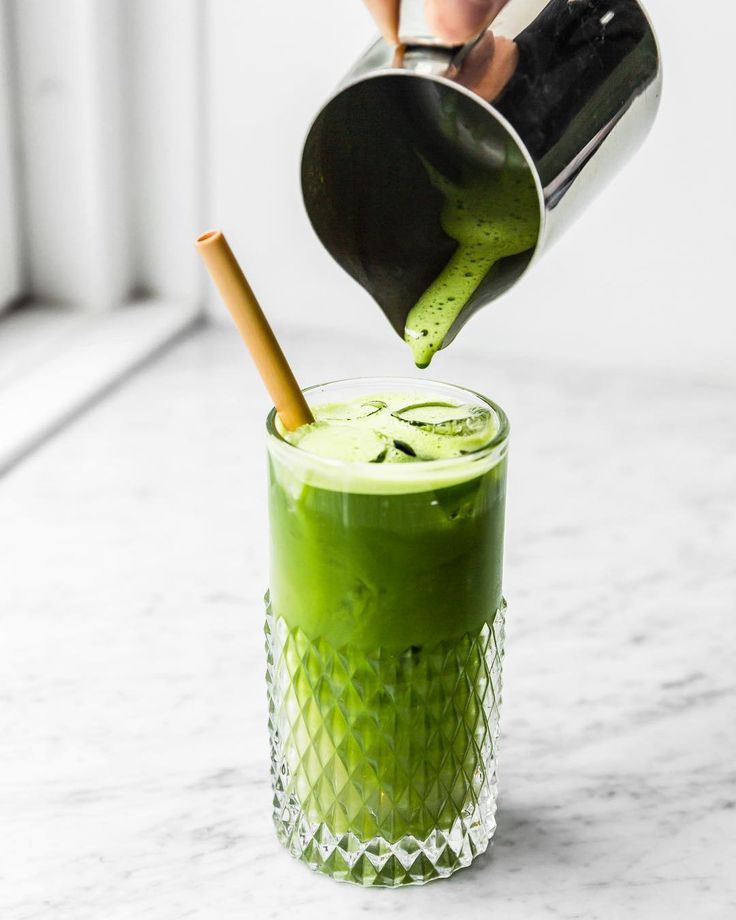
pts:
[457, 21]
[386, 14]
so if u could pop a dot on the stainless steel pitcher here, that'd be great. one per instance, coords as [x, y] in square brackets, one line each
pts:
[567, 89]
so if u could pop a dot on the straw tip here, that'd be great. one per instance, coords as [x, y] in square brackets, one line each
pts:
[209, 236]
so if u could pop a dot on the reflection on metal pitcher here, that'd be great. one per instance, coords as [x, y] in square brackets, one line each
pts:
[436, 175]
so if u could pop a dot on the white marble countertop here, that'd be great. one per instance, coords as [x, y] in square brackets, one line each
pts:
[134, 765]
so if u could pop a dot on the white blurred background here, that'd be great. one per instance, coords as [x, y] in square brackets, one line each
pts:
[128, 126]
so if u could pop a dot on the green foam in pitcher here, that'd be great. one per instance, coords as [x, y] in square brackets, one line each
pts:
[491, 216]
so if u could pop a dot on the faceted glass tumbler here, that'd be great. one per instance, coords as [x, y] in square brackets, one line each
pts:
[385, 637]
[384, 765]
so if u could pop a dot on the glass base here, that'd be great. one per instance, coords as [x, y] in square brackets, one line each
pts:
[384, 765]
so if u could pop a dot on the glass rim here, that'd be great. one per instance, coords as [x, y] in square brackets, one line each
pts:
[497, 442]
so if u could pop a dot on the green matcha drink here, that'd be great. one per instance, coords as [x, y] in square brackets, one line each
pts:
[491, 216]
[385, 628]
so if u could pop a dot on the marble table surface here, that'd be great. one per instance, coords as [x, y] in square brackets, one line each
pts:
[133, 551]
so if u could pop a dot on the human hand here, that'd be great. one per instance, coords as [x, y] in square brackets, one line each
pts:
[452, 21]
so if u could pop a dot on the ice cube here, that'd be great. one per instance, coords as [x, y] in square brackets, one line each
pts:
[347, 412]
[341, 442]
[446, 418]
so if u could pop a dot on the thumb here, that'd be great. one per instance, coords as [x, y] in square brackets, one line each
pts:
[457, 21]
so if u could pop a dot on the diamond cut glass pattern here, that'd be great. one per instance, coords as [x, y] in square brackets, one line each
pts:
[384, 764]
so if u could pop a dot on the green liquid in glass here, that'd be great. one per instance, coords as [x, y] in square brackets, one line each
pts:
[384, 596]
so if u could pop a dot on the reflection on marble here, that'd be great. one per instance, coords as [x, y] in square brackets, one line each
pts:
[132, 704]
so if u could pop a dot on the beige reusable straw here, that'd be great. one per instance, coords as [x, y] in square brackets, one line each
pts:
[254, 328]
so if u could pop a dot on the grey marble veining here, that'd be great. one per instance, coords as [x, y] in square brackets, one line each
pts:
[133, 549]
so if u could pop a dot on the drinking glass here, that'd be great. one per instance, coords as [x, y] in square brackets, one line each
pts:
[385, 639]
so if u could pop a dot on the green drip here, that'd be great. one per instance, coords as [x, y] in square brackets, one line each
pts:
[491, 217]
